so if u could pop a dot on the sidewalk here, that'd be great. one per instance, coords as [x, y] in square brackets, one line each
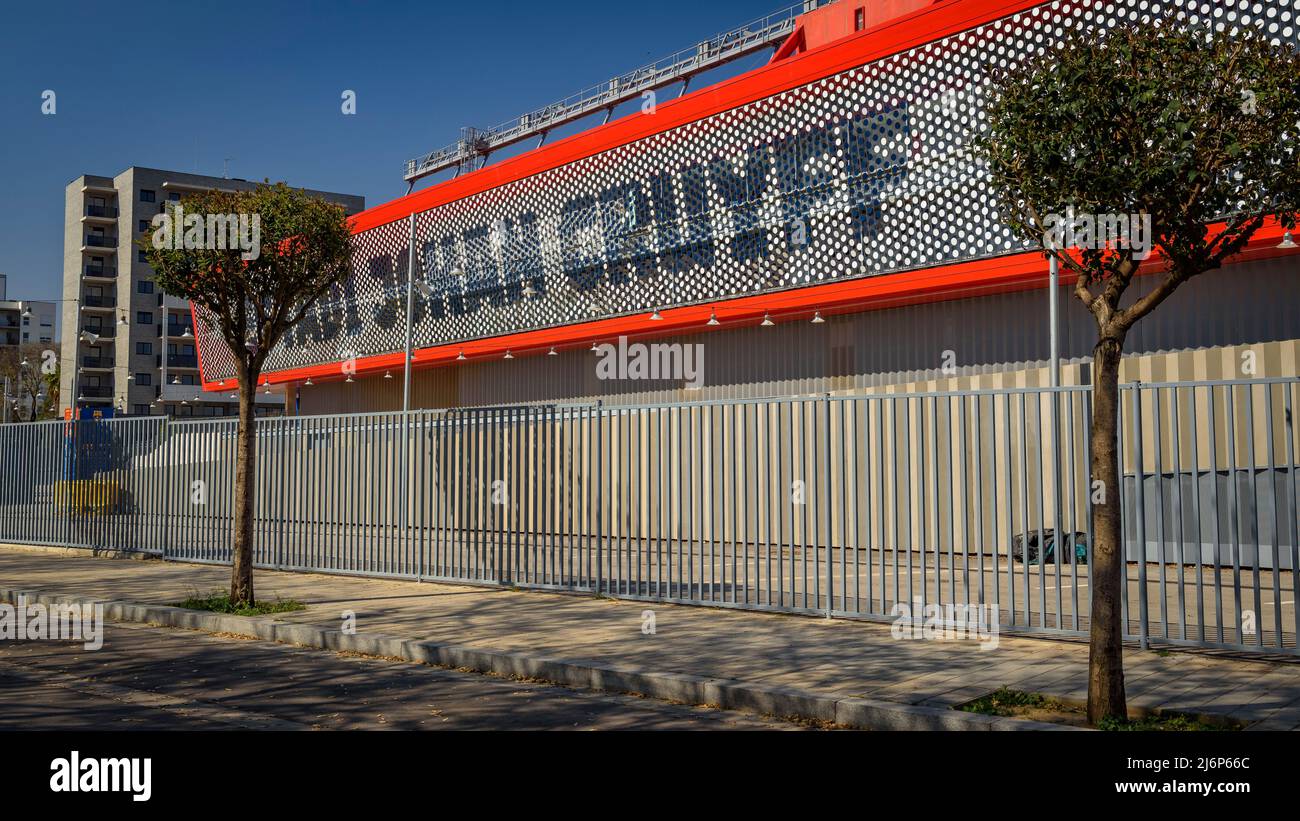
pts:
[837, 658]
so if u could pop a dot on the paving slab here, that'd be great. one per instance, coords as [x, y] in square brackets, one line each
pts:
[835, 659]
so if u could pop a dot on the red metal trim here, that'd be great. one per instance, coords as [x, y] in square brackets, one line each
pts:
[792, 44]
[944, 18]
[1015, 272]
[918, 28]
[1001, 274]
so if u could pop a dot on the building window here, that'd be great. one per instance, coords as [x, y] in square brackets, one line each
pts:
[141, 255]
[145, 226]
[144, 286]
[173, 196]
[144, 380]
[140, 410]
[144, 317]
[146, 195]
[144, 348]
[859, 19]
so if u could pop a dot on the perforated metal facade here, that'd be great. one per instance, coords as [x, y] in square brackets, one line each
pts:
[862, 173]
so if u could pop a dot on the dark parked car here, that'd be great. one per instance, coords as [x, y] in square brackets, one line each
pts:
[1049, 553]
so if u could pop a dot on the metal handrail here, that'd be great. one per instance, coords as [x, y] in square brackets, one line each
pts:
[682, 64]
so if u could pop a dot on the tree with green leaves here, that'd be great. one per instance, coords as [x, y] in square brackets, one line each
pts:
[29, 370]
[1192, 130]
[253, 263]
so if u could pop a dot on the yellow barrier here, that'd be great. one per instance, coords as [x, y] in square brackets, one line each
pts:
[87, 496]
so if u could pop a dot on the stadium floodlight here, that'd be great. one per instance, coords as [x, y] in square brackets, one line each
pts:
[89, 337]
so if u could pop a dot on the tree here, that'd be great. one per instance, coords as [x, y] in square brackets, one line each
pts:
[1192, 130]
[253, 263]
[29, 369]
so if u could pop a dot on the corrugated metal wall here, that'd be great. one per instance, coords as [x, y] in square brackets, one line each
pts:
[994, 340]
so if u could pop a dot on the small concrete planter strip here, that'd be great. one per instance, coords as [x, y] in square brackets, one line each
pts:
[866, 714]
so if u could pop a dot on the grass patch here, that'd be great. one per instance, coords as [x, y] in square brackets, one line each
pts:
[1009, 703]
[1167, 722]
[219, 602]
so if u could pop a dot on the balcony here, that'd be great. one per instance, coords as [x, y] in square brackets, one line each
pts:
[96, 241]
[182, 360]
[97, 362]
[181, 330]
[102, 211]
[102, 331]
[95, 391]
[98, 301]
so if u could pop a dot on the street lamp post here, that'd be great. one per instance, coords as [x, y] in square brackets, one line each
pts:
[410, 308]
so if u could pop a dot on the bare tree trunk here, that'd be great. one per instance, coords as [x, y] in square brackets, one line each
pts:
[241, 571]
[1105, 653]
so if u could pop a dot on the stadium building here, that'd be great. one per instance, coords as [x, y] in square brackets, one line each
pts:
[818, 224]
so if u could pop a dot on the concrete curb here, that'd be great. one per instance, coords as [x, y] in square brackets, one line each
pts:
[83, 552]
[858, 713]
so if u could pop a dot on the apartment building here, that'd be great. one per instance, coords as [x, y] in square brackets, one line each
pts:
[23, 322]
[132, 345]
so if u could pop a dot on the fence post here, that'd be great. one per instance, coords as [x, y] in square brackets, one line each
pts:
[599, 486]
[1140, 504]
[167, 481]
[826, 502]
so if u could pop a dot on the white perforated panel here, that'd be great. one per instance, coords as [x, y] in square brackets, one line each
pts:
[860, 174]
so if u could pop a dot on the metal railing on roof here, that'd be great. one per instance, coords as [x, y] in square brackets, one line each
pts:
[679, 66]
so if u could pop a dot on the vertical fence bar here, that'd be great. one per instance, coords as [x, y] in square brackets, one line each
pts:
[1140, 513]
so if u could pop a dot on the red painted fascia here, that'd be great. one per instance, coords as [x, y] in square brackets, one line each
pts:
[907, 31]
[792, 44]
[1012, 272]
[924, 25]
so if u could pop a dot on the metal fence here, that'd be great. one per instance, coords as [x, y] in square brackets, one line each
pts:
[836, 505]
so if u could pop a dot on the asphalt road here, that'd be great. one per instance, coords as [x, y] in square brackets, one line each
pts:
[150, 678]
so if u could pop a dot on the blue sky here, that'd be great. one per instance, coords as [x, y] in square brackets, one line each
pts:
[183, 86]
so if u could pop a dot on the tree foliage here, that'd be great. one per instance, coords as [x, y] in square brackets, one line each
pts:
[33, 373]
[1198, 131]
[304, 251]
[1192, 130]
[253, 262]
